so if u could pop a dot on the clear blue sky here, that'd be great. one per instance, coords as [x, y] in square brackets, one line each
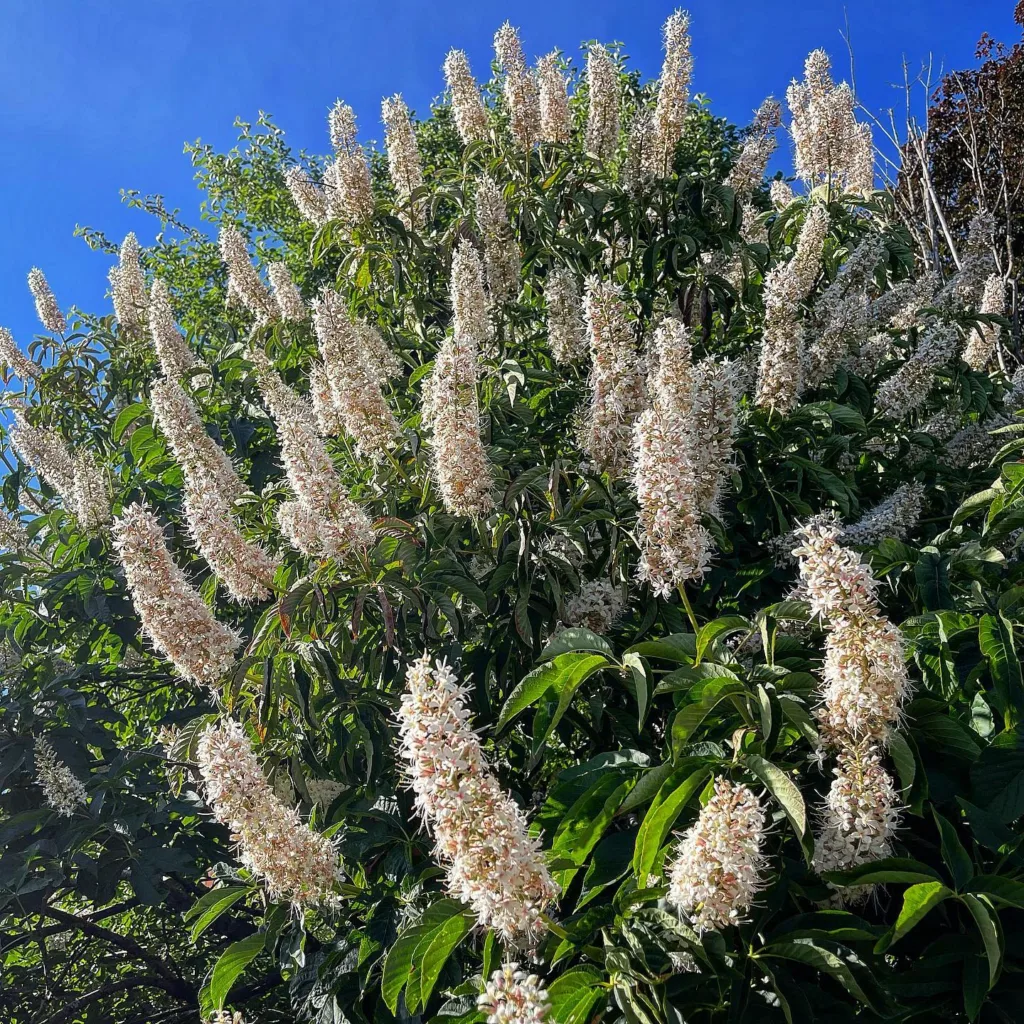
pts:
[96, 96]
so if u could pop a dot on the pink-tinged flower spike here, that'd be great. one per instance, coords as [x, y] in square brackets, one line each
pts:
[520, 89]
[674, 545]
[603, 120]
[286, 295]
[404, 160]
[90, 498]
[894, 517]
[747, 173]
[194, 450]
[715, 389]
[860, 174]
[47, 309]
[512, 996]
[859, 819]
[328, 416]
[350, 200]
[480, 833]
[982, 344]
[717, 869]
[173, 613]
[673, 94]
[128, 286]
[467, 103]
[307, 196]
[616, 379]
[176, 358]
[781, 194]
[14, 359]
[865, 681]
[501, 250]
[555, 120]
[567, 329]
[244, 276]
[381, 355]
[780, 377]
[61, 788]
[324, 522]
[911, 384]
[451, 406]
[293, 861]
[13, 536]
[353, 377]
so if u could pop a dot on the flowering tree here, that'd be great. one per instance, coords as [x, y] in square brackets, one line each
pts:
[536, 571]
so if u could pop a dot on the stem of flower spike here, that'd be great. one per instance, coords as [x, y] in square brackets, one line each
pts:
[689, 608]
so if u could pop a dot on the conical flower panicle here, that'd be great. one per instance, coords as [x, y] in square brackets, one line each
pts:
[307, 196]
[675, 547]
[780, 377]
[13, 536]
[520, 87]
[287, 297]
[555, 119]
[404, 160]
[501, 250]
[383, 358]
[243, 276]
[49, 313]
[62, 789]
[467, 103]
[718, 866]
[174, 616]
[895, 516]
[480, 834]
[673, 95]
[715, 388]
[294, 862]
[603, 119]
[911, 384]
[14, 359]
[451, 406]
[616, 379]
[567, 328]
[328, 416]
[353, 377]
[194, 450]
[176, 358]
[128, 286]
[350, 194]
[982, 344]
[596, 607]
[512, 996]
[748, 172]
[90, 497]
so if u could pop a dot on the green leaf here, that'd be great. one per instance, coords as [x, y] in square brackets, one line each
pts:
[785, 791]
[717, 628]
[886, 870]
[126, 417]
[638, 669]
[999, 887]
[211, 905]
[574, 995]
[806, 951]
[576, 639]
[586, 820]
[233, 961]
[932, 577]
[991, 936]
[689, 718]
[903, 758]
[995, 637]
[562, 675]
[997, 777]
[661, 816]
[918, 901]
[954, 856]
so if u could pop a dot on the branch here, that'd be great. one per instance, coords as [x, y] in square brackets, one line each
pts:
[125, 984]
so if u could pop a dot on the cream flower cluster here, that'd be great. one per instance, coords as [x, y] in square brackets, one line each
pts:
[673, 95]
[976, 266]
[596, 607]
[675, 546]
[307, 195]
[176, 358]
[567, 329]
[174, 617]
[49, 313]
[520, 87]
[13, 536]
[747, 173]
[404, 160]
[350, 198]
[911, 384]
[717, 867]
[512, 996]
[982, 344]
[780, 376]
[501, 250]
[16, 360]
[716, 386]
[77, 478]
[895, 516]
[62, 790]
[323, 521]
[617, 394]
[128, 286]
[830, 146]
[601, 138]
[243, 277]
[480, 833]
[467, 103]
[287, 296]
[451, 405]
[555, 119]
[353, 377]
[295, 862]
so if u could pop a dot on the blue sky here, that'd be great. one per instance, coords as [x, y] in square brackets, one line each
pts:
[97, 96]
